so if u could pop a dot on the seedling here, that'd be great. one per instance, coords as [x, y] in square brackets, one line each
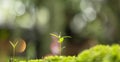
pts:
[60, 40]
[14, 47]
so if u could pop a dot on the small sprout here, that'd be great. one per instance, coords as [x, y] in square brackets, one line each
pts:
[13, 44]
[60, 40]
[14, 47]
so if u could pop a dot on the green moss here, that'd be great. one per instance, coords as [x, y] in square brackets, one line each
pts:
[99, 53]
[60, 59]
[35, 60]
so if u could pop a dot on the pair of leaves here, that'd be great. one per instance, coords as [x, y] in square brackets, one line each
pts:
[13, 44]
[60, 38]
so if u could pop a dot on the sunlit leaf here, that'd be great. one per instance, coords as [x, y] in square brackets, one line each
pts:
[13, 45]
[67, 37]
[54, 35]
[16, 43]
[61, 40]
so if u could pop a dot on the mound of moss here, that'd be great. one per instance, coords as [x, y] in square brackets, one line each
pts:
[60, 59]
[99, 53]
[22, 59]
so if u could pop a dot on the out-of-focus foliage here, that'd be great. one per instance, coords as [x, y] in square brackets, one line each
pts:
[88, 22]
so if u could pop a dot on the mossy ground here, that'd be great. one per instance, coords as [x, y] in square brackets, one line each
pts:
[99, 53]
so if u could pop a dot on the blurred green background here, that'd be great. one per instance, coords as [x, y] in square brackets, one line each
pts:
[88, 22]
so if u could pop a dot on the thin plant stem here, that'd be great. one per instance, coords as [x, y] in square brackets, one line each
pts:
[60, 49]
[13, 53]
[14, 48]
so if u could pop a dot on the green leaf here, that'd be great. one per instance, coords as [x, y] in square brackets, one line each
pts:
[61, 40]
[67, 37]
[13, 45]
[54, 35]
[16, 43]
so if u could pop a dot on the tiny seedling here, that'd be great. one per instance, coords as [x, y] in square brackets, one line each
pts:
[13, 46]
[60, 39]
